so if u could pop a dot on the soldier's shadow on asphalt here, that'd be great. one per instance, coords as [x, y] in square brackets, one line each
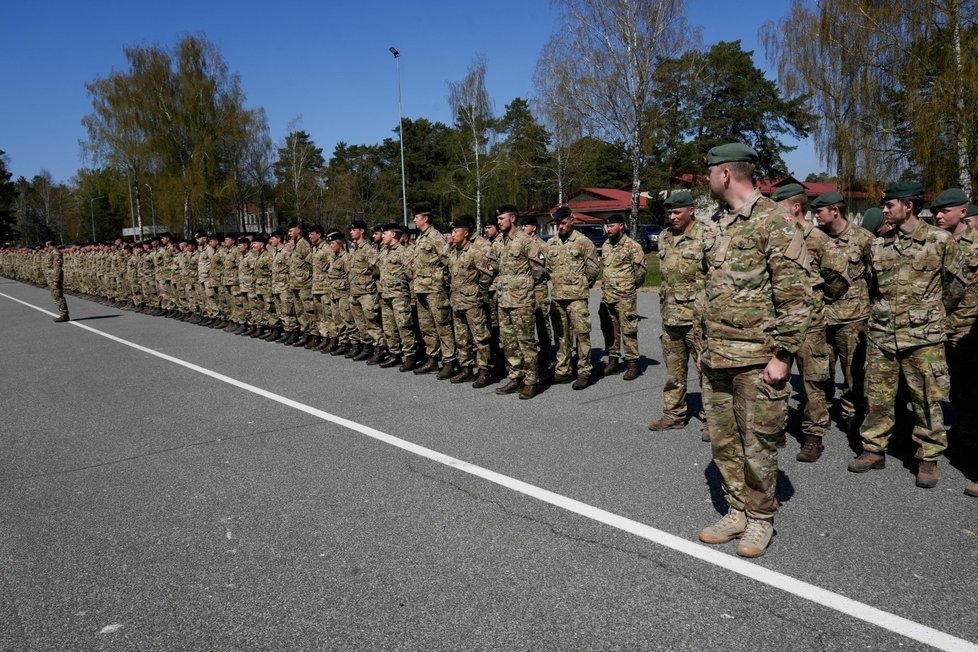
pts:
[784, 492]
[95, 317]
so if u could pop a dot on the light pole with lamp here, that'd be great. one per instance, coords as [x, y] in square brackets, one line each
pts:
[91, 209]
[400, 133]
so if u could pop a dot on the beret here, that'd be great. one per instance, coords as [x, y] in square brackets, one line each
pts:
[828, 199]
[277, 233]
[680, 199]
[903, 190]
[358, 224]
[261, 237]
[377, 228]
[563, 212]
[950, 197]
[972, 210]
[335, 236]
[528, 219]
[507, 208]
[872, 219]
[316, 228]
[295, 224]
[731, 153]
[617, 218]
[395, 227]
[243, 240]
[789, 190]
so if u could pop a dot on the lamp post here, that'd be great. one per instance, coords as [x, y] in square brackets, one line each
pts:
[91, 209]
[400, 133]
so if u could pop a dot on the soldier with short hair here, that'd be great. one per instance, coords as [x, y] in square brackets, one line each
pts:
[624, 265]
[430, 281]
[338, 283]
[472, 269]
[394, 284]
[300, 282]
[541, 293]
[364, 299]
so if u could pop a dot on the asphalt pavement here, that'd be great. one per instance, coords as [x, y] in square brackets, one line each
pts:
[151, 505]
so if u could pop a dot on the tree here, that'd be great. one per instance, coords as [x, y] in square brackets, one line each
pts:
[299, 171]
[472, 109]
[8, 198]
[525, 164]
[609, 49]
[552, 77]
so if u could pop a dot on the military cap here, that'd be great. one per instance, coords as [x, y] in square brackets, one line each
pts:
[316, 228]
[679, 199]
[950, 197]
[492, 220]
[242, 240]
[788, 190]
[731, 153]
[277, 233]
[167, 234]
[828, 199]
[335, 236]
[462, 223]
[528, 219]
[200, 234]
[507, 208]
[261, 237]
[295, 224]
[358, 224]
[903, 190]
[395, 227]
[617, 218]
[872, 219]
[216, 237]
[189, 243]
[562, 213]
[972, 210]
[377, 228]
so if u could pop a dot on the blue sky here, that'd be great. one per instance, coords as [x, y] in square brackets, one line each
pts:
[325, 63]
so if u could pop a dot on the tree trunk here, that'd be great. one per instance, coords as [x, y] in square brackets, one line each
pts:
[964, 163]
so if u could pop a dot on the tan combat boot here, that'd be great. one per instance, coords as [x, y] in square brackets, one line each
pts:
[631, 371]
[612, 367]
[667, 422]
[927, 475]
[867, 461]
[756, 537]
[811, 450]
[972, 489]
[729, 527]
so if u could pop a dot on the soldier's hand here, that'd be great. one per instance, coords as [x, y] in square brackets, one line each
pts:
[699, 363]
[776, 371]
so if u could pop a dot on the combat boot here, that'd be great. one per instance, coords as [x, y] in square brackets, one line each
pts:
[343, 349]
[867, 461]
[582, 382]
[380, 354]
[756, 537]
[366, 352]
[409, 363]
[283, 337]
[464, 376]
[60, 319]
[354, 351]
[482, 380]
[927, 475]
[666, 422]
[631, 371]
[447, 371]
[331, 344]
[313, 343]
[972, 490]
[430, 367]
[729, 527]
[811, 450]
[514, 385]
[392, 361]
[529, 391]
[612, 367]
[560, 379]
[302, 340]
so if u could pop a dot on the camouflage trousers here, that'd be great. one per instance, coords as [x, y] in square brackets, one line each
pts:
[223, 302]
[848, 345]
[305, 308]
[58, 296]
[285, 309]
[435, 323]
[237, 304]
[150, 296]
[209, 300]
[397, 320]
[472, 337]
[346, 328]
[571, 320]
[366, 315]
[927, 379]
[164, 288]
[541, 316]
[962, 355]
[745, 416]
[619, 325]
[266, 309]
[677, 349]
[814, 356]
[519, 343]
[324, 315]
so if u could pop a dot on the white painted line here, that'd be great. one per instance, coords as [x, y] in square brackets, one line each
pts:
[835, 601]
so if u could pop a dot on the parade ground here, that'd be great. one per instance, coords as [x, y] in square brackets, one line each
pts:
[169, 487]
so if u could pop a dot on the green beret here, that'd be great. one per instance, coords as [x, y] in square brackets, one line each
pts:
[790, 190]
[972, 210]
[828, 199]
[730, 153]
[903, 190]
[679, 199]
[950, 197]
[872, 219]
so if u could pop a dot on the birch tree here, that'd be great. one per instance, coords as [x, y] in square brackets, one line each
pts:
[472, 109]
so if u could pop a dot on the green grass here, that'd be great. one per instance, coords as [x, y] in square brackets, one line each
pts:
[653, 278]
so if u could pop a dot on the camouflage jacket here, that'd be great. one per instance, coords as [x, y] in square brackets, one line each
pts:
[246, 272]
[915, 280]
[338, 275]
[263, 273]
[55, 266]
[849, 254]
[624, 266]
[204, 256]
[519, 256]
[825, 279]
[363, 269]
[217, 266]
[430, 265]
[395, 273]
[962, 319]
[681, 263]
[321, 255]
[757, 286]
[280, 268]
[163, 259]
[231, 259]
[572, 265]
[300, 264]
[472, 269]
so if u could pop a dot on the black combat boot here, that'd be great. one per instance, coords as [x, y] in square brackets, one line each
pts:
[365, 353]
[392, 361]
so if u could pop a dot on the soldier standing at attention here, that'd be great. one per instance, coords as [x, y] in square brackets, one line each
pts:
[681, 265]
[300, 282]
[518, 254]
[281, 295]
[624, 265]
[541, 290]
[364, 300]
[917, 278]
[56, 280]
[758, 298]
[471, 267]
[950, 208]
[572, 263]
[397, 317]
[338, 283]
[430, 272]
[320, 260]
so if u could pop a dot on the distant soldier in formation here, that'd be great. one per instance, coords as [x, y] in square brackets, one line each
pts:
[624, 266]
[541, 293]
[429, 270]
[472, 268]
[395, 299]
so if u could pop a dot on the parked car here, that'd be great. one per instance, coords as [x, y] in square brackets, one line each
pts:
[651, 236]
[593, 232]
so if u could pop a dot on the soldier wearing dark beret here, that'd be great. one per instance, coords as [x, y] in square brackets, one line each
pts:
[624, 265]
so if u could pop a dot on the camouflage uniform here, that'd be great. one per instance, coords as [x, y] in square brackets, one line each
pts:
[682, 268]
[247, 294]
[216, 285]
[541, 305]
[434, 312]
[395, 298]
[300, 283]
[572, 264]
[263, 289]
[758, 297]
[471, 268]
[364, 302]
[914, 277]
[962, 347]
[519, 255]
[56, 279]
[284, 314]
[338, 282]
[321, 256]
[624, 266]
[205, 291]
[229, 279]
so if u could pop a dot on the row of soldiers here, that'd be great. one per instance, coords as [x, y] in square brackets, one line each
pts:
[460, 305]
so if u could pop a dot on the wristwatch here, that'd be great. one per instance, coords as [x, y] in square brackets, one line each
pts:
[782, 353]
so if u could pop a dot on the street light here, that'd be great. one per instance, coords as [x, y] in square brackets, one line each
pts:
[400, 133]
[91, 208]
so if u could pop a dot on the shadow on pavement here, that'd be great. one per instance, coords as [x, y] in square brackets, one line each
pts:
[96, 317]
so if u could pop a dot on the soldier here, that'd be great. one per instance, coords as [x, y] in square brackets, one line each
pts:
[541, 293]
[300, 282]
[972, 216]
[430, 272]
[264, 307]
[234, 303]
[284, 323]
[338, 283]
[247, 294]
[56, 279]
[572, 263]
[845, 316]
[814, 356]
[758, 297]
[215, 286]
[917, 277]
[163, 257]
[472, 270]
[364, 299]
[321, 255]
[494, 240]
[950, 209]
[624, 265]
[682, 268]
[395, 299]
[518, 254]
[317, 328]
